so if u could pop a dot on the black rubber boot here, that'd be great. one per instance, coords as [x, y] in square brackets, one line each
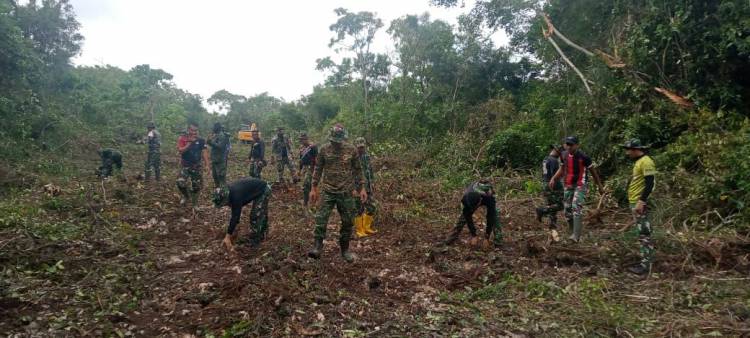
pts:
[317, 250]
[539, 214]
[639, 269]
[345, 253]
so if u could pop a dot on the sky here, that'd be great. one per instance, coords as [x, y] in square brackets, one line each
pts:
[244, 46]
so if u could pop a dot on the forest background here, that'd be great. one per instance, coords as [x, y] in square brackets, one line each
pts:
[673, 74]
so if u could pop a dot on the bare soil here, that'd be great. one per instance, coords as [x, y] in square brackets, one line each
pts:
[142, 266]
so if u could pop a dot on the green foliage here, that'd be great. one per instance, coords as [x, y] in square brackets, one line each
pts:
[520, 146]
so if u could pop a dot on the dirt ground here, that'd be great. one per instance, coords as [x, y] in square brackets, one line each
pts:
[122, 259]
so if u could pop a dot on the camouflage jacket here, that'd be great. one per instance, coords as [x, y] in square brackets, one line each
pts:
[364, 160]
[153, 139]
[338, 169]
[281, 146]
[219, 147]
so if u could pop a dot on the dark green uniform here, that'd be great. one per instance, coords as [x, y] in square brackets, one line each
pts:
[370, 206]
[153, 159]
[219, 154]
[257, 158]
[553, 197]
[111, 159]
[191, 172]
[307, 157]
[475, 195]
[338, 171]
[282, 148]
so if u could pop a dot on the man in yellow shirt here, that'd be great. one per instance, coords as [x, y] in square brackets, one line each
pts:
[640, 186]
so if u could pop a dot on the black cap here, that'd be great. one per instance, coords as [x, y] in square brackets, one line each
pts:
[571, 140]
[634, 144]
[218, 127]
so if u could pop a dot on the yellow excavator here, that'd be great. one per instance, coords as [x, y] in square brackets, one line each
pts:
[245, 135]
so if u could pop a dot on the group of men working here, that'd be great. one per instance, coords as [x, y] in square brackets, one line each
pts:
[342, 170]
[345, 175]
[565, 179]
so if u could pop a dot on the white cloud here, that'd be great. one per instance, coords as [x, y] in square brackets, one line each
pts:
[246, 47]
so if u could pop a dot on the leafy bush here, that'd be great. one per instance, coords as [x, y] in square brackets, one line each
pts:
[521, 146]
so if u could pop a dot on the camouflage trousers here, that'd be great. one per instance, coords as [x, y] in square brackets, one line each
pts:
[554, 203]
[281, 163]
[259, 217]
[306, 173]
[643, 226]
[573, 199]
[108, 167]
[194, 178]
[370, 206]
[466, 219]
[153, 163]
[344, 203]
[256, 168]
[219, 173]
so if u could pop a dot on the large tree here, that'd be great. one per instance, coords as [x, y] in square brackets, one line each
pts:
[354, 32]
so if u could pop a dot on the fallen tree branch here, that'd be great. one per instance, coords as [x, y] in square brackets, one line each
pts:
[565, 58]
[553, 30]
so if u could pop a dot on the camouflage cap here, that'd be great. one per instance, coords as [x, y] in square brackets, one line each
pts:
[337, 133]
[483, 185]
[303, 136]
[634, 144]
[220, 196]
[360, 142]
[150, 125]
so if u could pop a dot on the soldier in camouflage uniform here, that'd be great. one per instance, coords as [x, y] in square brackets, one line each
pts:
[338, 170]
[193, 153]
[554, 195]
[480, 193]
[308, 152]
[370, 205]
[111, 160]
[281, 147]
[257, 155]
[238, 194]
[219, 143]
[153, 159]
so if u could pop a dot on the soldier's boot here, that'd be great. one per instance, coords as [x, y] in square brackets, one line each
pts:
[345, 253]
[640, 269]
[453, 237]
[570, 224]
[157, 174]
[539, 214]
[317, 249]
[553, 222]
[577, 225]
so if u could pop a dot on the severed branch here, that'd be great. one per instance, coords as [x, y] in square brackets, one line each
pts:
[565, 58]
[552, 30]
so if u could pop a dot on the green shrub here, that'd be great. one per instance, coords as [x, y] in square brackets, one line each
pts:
[521, 146]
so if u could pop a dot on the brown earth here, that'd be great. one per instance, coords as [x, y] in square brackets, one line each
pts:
[141, 266]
